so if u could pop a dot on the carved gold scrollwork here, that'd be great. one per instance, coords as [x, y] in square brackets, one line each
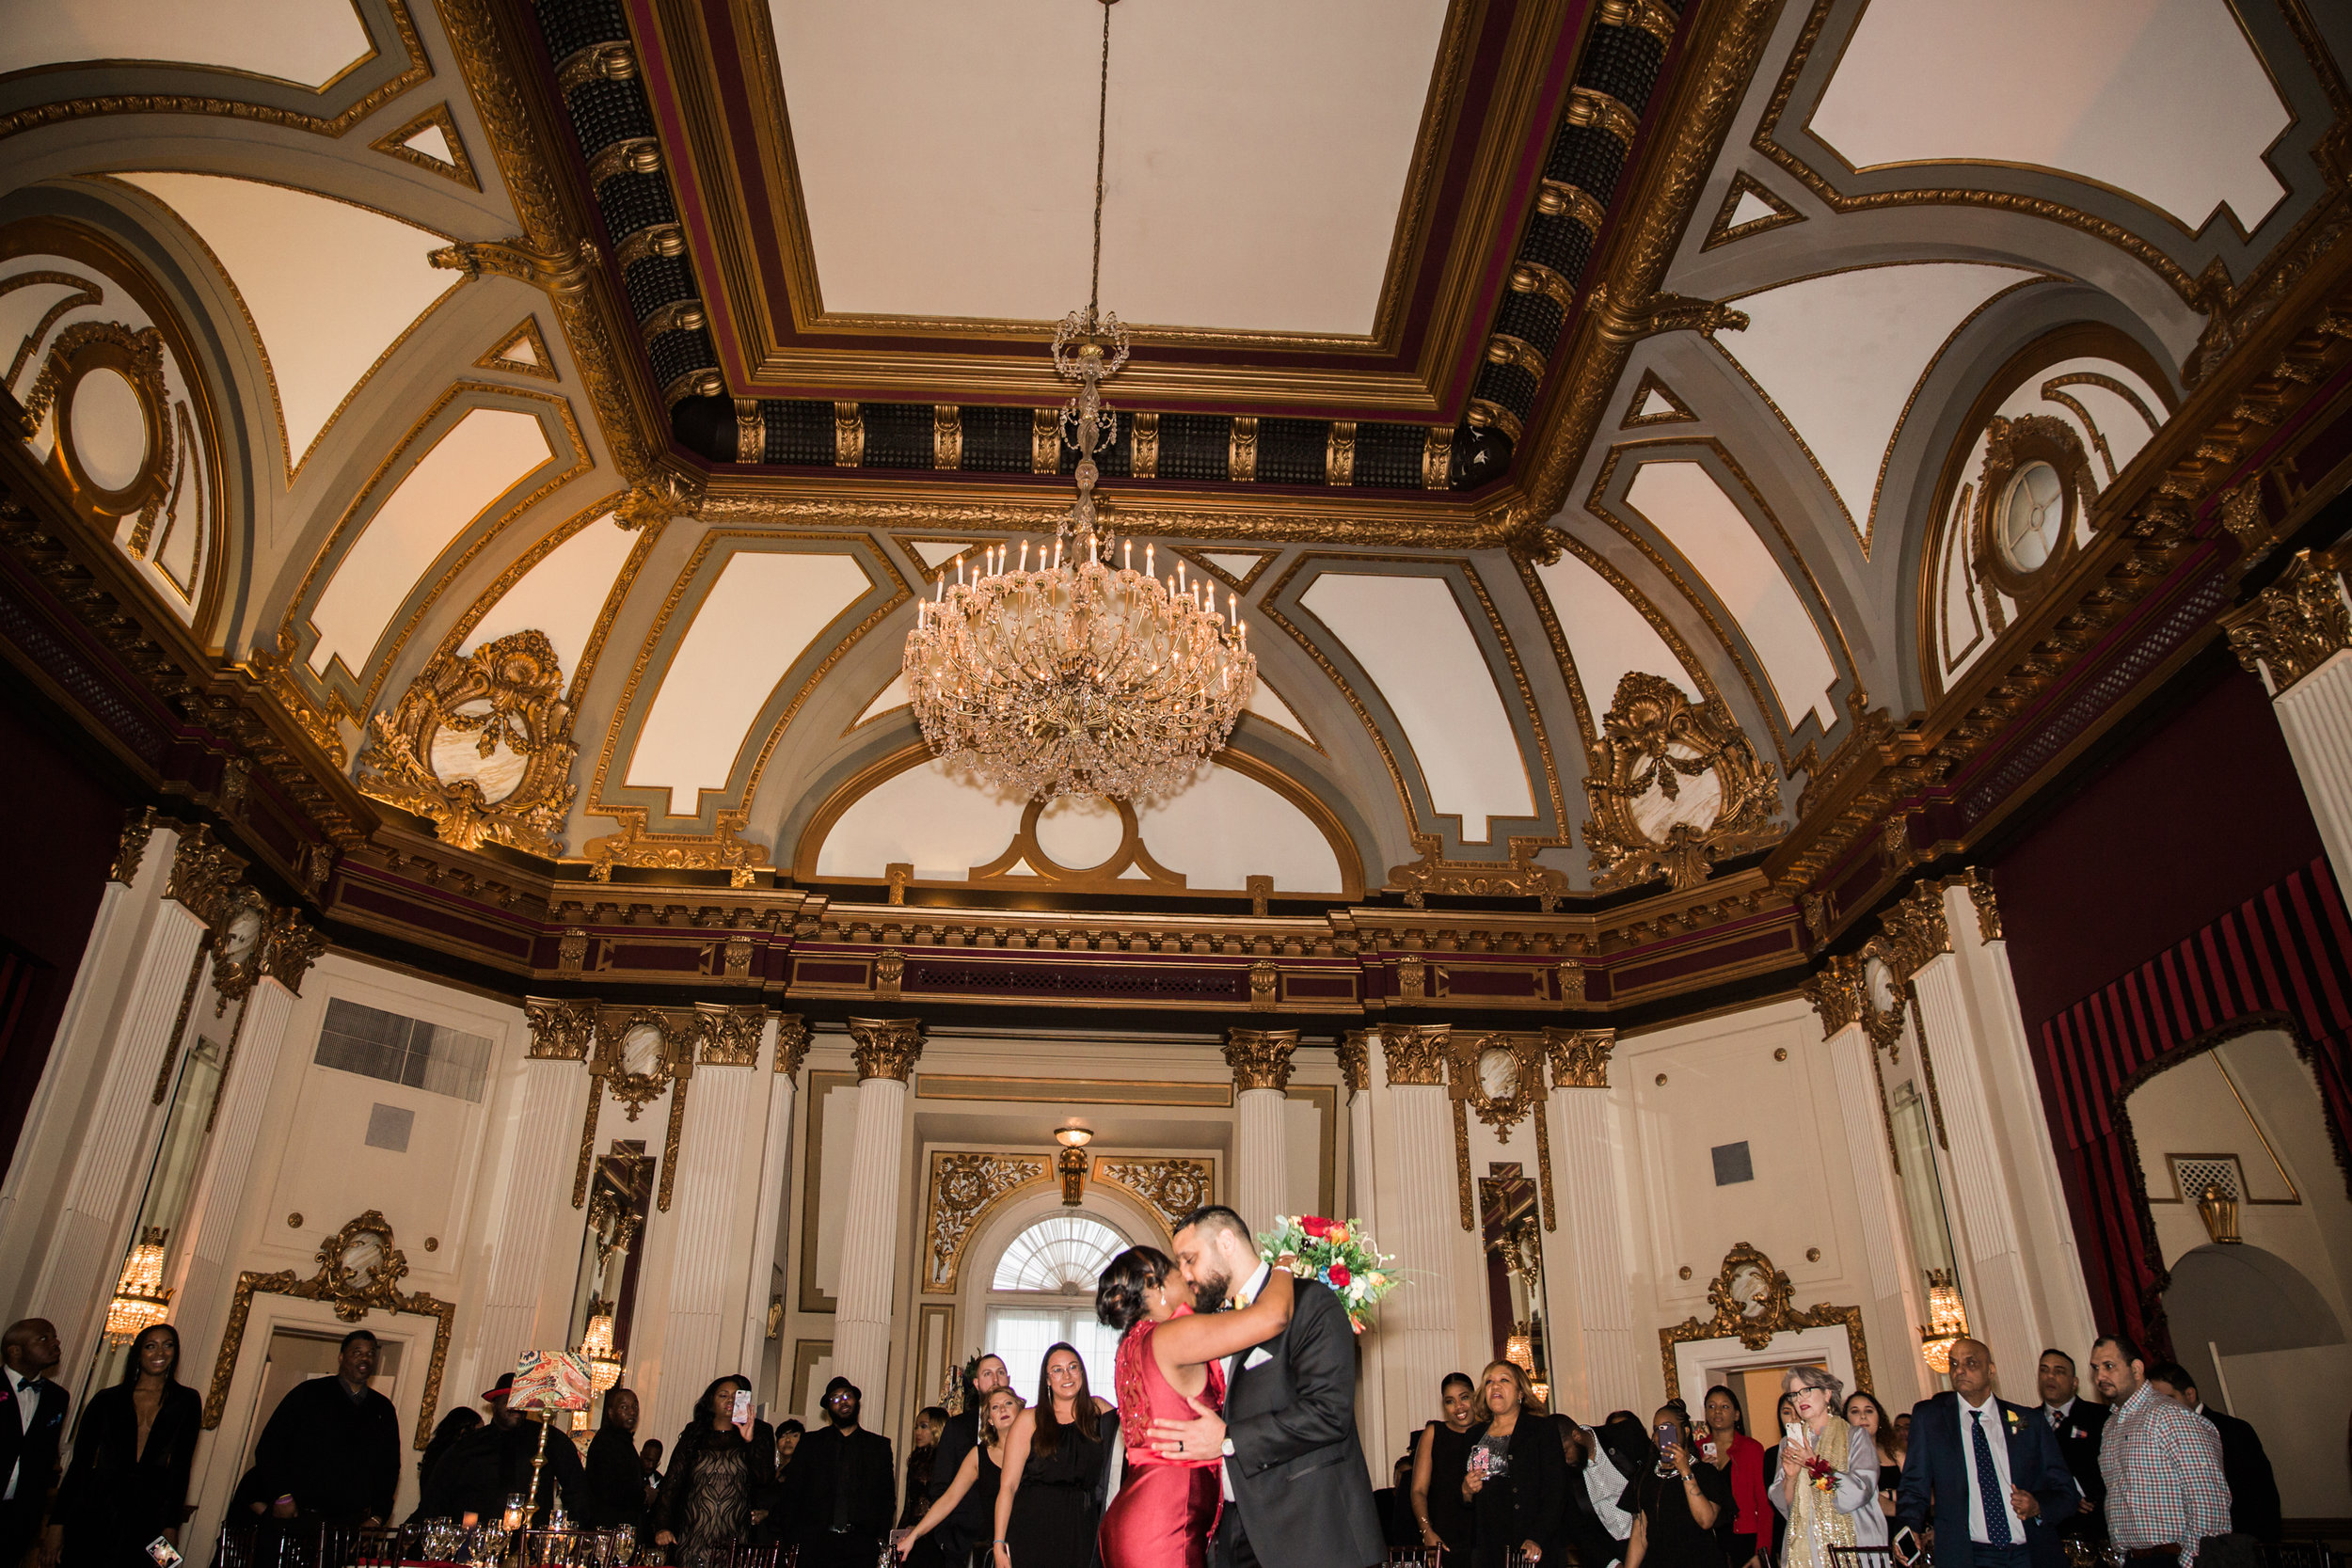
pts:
[1261, 1058]
[2296, 625]
[481, 745]
[791, 1044]
[137, 827]
[136, 356]
[290, 945]
[1354, 1053]
[1580, 1057]
[723, 850]
[729, 1035]
[1518, 877]
[963, 1187]
[2011, 446]
[1753, 1301]
[359, 1272]
[560, 1031]
[1172, 1187]
[202, 874]
[1500, 1075]
[1674, 787]
[640, 1051]
[241, 919]
[1914, 931]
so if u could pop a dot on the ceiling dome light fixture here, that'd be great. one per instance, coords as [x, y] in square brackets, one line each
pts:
[1083, 675]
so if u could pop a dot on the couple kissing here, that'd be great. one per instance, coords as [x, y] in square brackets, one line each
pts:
[1236, 1391]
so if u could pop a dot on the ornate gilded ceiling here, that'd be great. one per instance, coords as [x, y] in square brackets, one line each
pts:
[1660, 450]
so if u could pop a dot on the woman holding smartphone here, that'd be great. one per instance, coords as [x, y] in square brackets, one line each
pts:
[1676, 1505]
[1517, 1480]
[1828, 1479]
[721, 1474]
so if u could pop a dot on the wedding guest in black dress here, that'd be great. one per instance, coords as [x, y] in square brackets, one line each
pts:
[719, 1481]
[1518, 1477]
[617, 1477]
[1440, 1459]
[994, 1413]
[446, 1435]
[1046, 1507]
[129, 1480]
[923, 1446]
[1676, 1515]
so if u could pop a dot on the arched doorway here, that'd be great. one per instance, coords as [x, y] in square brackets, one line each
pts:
[1041, 1291]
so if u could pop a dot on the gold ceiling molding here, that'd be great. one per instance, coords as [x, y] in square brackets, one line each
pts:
[482, 746]
[501, 354]
[886, 1047]
[1778, 214]
[2294, 625]
[1518, 877]
[1261, 1058]
[724, 849]
[1170, 1186]
[458, 166]
[359, 1270]
[418, 70]
[1677, 411]
[1652, 739]
[1754, 1301]
[963, 1188]
[648, 535]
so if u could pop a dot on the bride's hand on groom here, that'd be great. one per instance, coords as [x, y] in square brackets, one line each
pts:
[1202, 1437]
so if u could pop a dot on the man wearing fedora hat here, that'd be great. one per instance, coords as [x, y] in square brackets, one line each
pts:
[836, 1497]
[493, 1463]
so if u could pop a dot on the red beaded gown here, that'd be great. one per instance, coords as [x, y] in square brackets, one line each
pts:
[1167, 1507]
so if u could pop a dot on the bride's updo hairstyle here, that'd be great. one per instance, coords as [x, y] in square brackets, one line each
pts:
[1118, 1294]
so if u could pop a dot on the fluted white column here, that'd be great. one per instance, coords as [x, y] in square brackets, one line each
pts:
[788, 1037]
[2295, 635]
[885, 1052]
[2315, 716]
[1895, 1279]
[85, 1244]
[41, 1162]
[1363, 1205]
[1261, 1060]
[1602, 1370]
[704, 1290]
[1414, 1186]
[535, 1187]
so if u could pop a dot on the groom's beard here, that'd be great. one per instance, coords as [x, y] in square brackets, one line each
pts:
[1212, 1291]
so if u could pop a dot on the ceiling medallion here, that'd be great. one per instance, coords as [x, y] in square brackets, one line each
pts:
[1083, 675]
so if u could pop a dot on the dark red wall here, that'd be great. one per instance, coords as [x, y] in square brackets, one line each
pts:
[64, 820]
[2200, 815]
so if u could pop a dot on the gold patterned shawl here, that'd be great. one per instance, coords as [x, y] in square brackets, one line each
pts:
[1815, 1524]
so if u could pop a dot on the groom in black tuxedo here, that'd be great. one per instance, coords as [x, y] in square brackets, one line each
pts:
[1296, 1488]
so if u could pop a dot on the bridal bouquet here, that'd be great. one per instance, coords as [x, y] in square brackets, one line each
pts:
[1338, 1253]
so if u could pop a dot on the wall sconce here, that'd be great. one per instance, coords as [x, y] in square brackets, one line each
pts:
[140, 1301]
[2218, 1210]
[1071, 1163]
[1947, 1320]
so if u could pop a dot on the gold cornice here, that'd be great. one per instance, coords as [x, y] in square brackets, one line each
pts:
[886, 1047]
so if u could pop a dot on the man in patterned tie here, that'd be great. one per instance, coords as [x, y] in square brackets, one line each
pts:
[1986, 1473]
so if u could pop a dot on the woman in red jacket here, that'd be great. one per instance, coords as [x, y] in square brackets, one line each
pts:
[1725, 1444]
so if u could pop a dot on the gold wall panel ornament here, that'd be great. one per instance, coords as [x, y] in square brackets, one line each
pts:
[886, 1047]
[138, 826]
[1261, 1058]
[1171, 1188]
[792, 1038]
[1241, 450]
[1915, 932]
[744, 861]
[2294, 625]
[890, 972]
[1753, 1301]
[2012, 447]
[1354, 1053]
[729, 1037]
[1339, 453]
[1414, 1054]
[1264, 982]
[560, 1031]
[1674, 787]
[571, 950]
[359, 1272]
[202, 874]
[1412, 982]
[946, 437]
[1110, 875]
[1518, 877]
[1146, 459]
[135, 357]
[1580, 1057]
[1570, 972]
[640, 1051]
[235, 943]
[963, 1187]
[482, 746]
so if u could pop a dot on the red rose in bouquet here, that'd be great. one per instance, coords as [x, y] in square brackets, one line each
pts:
[1315, 1226]
[1340, 1276]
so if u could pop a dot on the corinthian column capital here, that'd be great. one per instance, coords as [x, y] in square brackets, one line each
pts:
[1261, 1058]
[886, 1047]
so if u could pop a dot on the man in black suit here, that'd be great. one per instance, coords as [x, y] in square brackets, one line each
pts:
[2254, 1508]
[331, 1449]
[841, 1490]
[2076, 1423]
[1985, 1472]
[974, 1520]
[1294, 1472]
[32, 1423]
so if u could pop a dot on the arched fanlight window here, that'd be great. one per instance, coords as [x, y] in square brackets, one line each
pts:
[1064, 1254]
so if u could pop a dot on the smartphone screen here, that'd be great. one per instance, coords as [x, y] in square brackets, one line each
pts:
[743, 1407]
[1668, 1434]
[1792, 1433]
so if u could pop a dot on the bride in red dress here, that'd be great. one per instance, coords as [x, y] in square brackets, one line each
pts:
[1169, 1368]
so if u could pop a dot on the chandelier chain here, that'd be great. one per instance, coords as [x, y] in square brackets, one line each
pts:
[1101, 141]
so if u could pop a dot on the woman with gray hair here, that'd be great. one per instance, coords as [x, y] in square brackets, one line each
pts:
[1827, 1483]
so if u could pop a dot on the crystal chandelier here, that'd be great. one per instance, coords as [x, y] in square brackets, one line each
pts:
[604, 1367]
[1081, 674]
[1947, 1320]
[140, 1301]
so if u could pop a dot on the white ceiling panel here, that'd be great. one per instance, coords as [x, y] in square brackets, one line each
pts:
[307, 43]
[562, 595]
